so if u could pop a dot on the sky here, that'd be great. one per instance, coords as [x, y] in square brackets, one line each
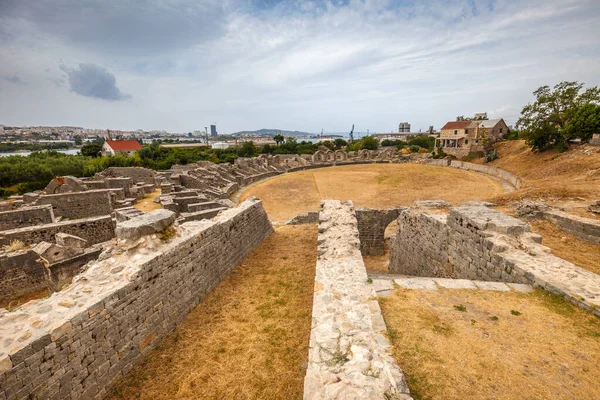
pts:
[181, 65]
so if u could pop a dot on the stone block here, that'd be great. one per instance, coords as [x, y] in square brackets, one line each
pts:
[66, 240]
[146, 224]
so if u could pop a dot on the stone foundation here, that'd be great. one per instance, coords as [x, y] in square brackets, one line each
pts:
[371, 228]
[78, 342]
[476, 242]
[349, 357]
[23, 217]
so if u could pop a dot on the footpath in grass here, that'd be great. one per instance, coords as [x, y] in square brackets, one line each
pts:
[468, 344]
[248, 339]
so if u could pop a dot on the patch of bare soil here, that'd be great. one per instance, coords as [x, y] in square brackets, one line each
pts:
[147, 204]
[248, 339]
[467, 344]
[567, 246]
[11, 304]
[370, 185]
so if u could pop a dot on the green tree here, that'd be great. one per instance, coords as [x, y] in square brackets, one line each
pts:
[278, 139]
[91, 150]
[248, 149]
[369, 143]
[585, 122]
[339, 143]
[424, 141]
[543, 122]
[77, 139]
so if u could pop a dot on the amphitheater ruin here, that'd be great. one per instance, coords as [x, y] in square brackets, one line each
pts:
[118, 280]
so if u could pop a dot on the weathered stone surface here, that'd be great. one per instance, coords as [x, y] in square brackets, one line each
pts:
[531, 209]
[432, 204]
[496, 286]
[349, 358]
[52, 253]
[416, 283]
[114, 313]
[146, 224]
[594, 207]
[66, 240]
[455, 283]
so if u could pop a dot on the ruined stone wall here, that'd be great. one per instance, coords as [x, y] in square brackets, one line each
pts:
[94, 230]
[78, 204]
[137, 174]
[349, 357]
[26, 217]
[479, 243]
[584, 228]
[119, 309]
[20, 273]
[488, 170]
[371, 228]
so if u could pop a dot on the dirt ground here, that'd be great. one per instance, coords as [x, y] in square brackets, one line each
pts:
[369, 185]
[248, 339]
[466, 344]
[11, 304]
[147, 204]
[567, 246]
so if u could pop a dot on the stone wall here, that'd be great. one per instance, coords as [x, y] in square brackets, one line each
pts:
[584, 228]
[371, 228]
[78, 204]
[20, 273]
[349, 357]
[29, 216]
[114, 313]
[479, 243]
[137, 174]
[488, 170]
[94, 230]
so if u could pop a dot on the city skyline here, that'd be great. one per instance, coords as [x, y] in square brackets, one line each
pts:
[160, 65]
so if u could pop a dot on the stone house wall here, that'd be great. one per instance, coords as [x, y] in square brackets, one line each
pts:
[94, 230]
[128, 307]
[29, 216]
[20, 273]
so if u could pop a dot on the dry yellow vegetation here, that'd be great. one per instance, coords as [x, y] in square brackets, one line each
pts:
[248, 339]
[551, 175]
[467, 344]
[369, 185]
[147, 204]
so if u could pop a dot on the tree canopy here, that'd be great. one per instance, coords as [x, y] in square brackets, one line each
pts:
[559, 115]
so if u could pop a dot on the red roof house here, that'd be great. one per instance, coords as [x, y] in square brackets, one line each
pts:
[114, 147]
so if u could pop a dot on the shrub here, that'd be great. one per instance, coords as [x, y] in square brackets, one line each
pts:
[414, 148]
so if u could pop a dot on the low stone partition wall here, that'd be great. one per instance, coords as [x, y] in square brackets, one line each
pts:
[75, 205]
[349, 357]
[371, 228]
[80, 341]
[478, 243]
[23, 217]
[488, 170]
[137, 174]
[20, 273]
[94, 230]
[584, 228]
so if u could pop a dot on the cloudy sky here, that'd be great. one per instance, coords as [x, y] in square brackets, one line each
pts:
[181, 65]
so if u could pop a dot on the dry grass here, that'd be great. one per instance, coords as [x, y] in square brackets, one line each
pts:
[248, 339]
[550, 175]
[147, 204]
[567, 246]
[370, 185]
[15, 245]
[498, 345]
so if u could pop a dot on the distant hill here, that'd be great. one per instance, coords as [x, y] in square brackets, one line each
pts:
[271, 132]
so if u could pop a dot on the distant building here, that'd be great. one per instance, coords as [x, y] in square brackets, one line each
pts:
[404, 127]
[114, 147]
[213, 130]
[220, 145]
[479, 116]
[459, 138]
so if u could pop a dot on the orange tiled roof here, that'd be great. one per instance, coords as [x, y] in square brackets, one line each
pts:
[124, 145]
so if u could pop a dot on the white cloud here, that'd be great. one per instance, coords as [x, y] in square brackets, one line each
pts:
[299, 65]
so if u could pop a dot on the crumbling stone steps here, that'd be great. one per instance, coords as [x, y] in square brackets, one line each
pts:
[385, 284]
[127, 213]
[200, 215]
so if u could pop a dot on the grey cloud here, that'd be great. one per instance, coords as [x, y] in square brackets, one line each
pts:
[91, 80]
[13, 79]
[140, 27]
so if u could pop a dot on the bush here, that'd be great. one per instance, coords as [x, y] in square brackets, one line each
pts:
[425, 141]
[414, 148]
[369, 143]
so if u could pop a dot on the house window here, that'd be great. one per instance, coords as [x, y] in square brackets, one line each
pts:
[466, 131]
[476, 140]
[466, 141]
[500, 130]
[456, 131]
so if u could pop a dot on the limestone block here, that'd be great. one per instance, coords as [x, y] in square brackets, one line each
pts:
[53, 253]
[146, 224]
[66, 240]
